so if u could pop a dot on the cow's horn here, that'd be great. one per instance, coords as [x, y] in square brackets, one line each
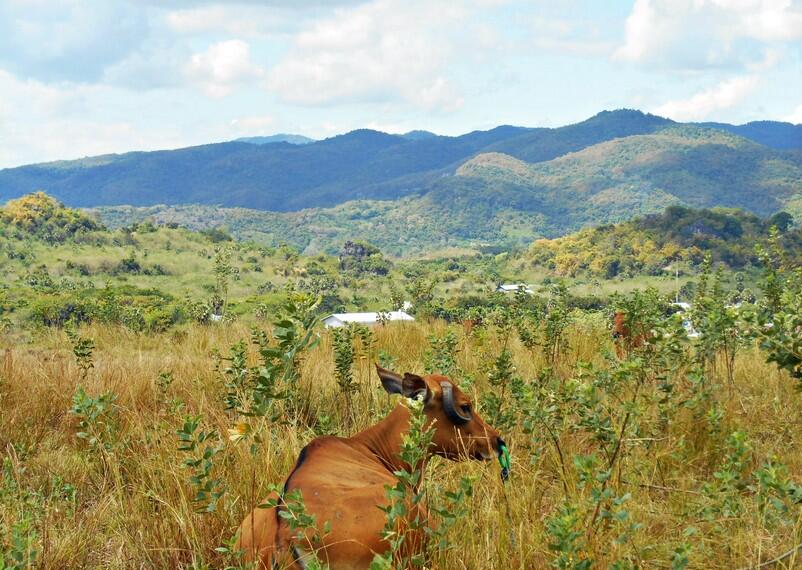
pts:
[448, 405]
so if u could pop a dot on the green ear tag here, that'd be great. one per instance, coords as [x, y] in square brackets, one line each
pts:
[504, 461]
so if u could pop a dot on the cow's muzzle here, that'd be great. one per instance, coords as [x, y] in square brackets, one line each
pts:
[503, 458]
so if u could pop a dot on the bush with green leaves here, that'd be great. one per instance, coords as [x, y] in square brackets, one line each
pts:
[83, 350]
[778, 316]
[270, 389]
[717, 322]
[441, 357]
[546, 326]
[202, 446]
[97, 418]
[343, 347]
[501, 404]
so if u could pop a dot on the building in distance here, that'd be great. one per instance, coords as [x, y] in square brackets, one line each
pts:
[341, 319]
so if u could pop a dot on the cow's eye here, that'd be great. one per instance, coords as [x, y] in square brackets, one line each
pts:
[466, 408]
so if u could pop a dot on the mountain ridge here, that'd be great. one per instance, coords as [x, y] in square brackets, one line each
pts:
[361, 164]
[277, 138]
[508, 185]
[498, 199]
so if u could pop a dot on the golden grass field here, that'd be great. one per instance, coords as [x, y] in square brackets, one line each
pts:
[130, 506]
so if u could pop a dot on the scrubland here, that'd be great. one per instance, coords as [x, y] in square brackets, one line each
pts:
[648, 461]
[155, 383]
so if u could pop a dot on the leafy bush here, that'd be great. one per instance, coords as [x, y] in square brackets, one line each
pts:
[45, 218]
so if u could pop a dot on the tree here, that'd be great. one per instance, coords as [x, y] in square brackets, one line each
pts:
[782, 221]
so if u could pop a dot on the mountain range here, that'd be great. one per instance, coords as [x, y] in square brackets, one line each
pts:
[278, 138]
[421, 191]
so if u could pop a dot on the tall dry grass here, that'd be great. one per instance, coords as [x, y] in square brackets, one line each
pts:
[130, 506]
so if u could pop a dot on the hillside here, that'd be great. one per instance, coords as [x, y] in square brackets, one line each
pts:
[281, 137]
[499, 200]
[774, 134]
[61, 265]
[649, 244]
[280, 176]
[639, 174]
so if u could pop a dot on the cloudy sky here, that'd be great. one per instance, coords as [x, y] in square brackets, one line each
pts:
[85, 77]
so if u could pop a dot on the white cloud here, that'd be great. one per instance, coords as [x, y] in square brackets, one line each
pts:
[43, 122]
[700, 34]
[768, 20]
[248, 21]
[796, 116]
[704, 104]
[222, 67]
[387, 50]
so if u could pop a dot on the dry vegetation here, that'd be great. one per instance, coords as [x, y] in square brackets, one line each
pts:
[125, 500]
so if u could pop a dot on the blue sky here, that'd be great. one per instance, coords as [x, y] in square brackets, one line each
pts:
[86, 77]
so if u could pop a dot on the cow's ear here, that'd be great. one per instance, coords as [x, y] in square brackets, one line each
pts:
[393, 383]
[415, 387]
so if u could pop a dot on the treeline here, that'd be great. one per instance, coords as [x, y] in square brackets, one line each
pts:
[648, 245]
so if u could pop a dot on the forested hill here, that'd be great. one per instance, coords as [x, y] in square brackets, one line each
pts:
[774, 134]
[362, 164]
[498, 200]
[651, 244]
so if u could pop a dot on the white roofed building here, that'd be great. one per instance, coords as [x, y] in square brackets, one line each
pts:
[514, 288]
[341, 319]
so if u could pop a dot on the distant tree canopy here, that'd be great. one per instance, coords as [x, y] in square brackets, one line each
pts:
[361, 257]
[650, 243]
[217, 235]
[46, 218]
[782, 221]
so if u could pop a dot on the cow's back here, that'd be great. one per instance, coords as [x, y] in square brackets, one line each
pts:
[341, 486]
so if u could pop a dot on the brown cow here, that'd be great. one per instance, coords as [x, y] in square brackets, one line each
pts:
[625, 340]
[342, 480]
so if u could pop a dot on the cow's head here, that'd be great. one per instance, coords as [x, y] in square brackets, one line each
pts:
[460, 432]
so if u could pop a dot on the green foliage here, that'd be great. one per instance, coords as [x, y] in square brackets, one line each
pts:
[650, 244]
[20, 553]
[343, 341]
[223, 272]
[164, 381]
[564, 529]
[258, 391]
[499, 405]
[730, 479]
[216, 235]
[198, 311]
[139, 310]
[361, 257]
[778, 318]
[405, 515]
[83, 350]
[421, 293]
[716, 321]
[441, 357]
[97, 418]
[45, 218]
[202, 446]
[237, 378]
[307, 534]
[545, 324]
